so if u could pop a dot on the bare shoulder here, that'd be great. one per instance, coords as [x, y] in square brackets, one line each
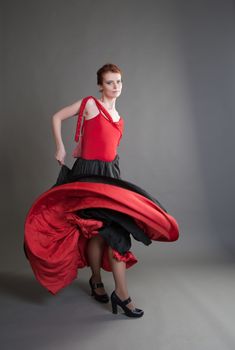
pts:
[90, 101]
[90, 104]
[91, 109]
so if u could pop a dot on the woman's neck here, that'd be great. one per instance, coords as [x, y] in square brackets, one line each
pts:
[108, 102]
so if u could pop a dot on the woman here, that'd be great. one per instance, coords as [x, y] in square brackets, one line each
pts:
[86, 218]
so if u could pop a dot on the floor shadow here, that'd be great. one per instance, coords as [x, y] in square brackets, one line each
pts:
[23, 287]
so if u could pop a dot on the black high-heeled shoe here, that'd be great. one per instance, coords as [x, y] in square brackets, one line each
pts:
[128, 312]
[102, 298]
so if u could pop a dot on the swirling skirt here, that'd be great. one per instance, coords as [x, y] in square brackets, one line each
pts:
[88, 200]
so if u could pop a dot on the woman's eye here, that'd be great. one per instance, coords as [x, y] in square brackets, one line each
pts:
[110, 82]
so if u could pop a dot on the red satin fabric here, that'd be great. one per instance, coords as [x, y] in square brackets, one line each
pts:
[56, 237]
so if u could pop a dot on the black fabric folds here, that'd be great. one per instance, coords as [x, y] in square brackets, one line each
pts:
[83, 167]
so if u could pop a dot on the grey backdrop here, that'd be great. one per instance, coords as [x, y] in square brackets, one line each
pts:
[178, 62]
[178, 66]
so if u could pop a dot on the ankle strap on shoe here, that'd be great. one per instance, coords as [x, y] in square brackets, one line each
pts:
[98, 285]
[127, 301]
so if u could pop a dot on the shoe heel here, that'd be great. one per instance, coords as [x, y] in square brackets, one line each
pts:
[114, 308]
[122, 303]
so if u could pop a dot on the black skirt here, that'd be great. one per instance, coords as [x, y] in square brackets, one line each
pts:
[83, 167]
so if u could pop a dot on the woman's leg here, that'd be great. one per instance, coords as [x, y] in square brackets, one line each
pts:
[95, 248]
[119, 274]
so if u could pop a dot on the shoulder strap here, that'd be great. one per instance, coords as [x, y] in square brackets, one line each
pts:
[100, 106]
[80, 119]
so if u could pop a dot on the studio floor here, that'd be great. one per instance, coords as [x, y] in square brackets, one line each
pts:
[187, 305]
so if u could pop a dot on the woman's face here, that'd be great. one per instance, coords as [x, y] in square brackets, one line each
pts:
[112, 84]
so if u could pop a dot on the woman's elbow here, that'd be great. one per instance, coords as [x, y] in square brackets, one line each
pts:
[56, 117]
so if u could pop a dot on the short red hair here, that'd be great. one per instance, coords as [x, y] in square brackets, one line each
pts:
[108, 67]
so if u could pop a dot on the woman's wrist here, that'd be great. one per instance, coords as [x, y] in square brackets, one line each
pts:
[60, 147]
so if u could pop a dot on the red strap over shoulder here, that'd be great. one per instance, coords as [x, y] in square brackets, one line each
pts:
[80, 114]
[100, 106]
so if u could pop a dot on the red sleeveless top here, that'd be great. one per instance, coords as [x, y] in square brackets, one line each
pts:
[100, 135]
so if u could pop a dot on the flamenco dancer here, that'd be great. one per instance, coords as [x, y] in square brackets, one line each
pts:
[88, 216]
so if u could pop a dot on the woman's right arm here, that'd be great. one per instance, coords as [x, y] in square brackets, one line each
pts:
[57, 118]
